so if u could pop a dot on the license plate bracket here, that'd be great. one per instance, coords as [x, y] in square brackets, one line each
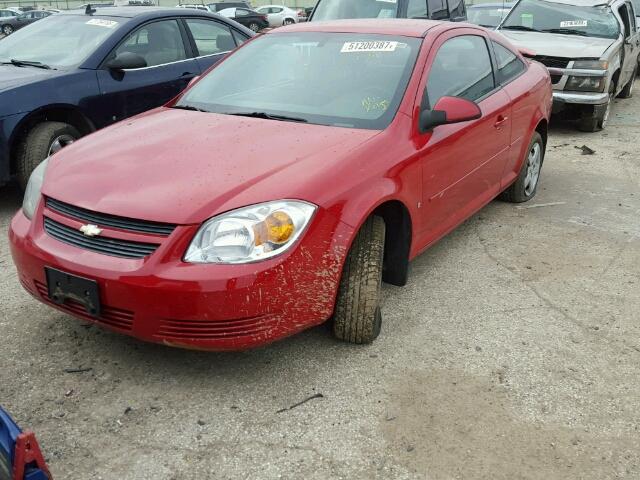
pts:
[63, 286]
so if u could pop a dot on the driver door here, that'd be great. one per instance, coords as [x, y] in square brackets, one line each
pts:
[462, 163]
[169, 69]
[631, 46]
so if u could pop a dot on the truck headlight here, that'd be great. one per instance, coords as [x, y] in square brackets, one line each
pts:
[585, 84]
[250, 234]
[32, 192]
[591, 64]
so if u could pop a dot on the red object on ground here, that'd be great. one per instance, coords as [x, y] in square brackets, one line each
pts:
[27, 451]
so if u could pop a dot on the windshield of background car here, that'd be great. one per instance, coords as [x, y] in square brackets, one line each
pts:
[486, 16]
[60, 41]
[345, 9]
[341, 79]
[552, 17]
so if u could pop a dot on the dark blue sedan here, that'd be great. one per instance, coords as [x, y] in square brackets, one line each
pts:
[75, 72]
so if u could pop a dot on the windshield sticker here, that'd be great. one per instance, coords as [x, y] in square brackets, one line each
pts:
[102, 23]
[573, 23]
[378, 46]
[526, 20]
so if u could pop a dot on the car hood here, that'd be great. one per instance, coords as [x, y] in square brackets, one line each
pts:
[183, 167]
[557, 45]
[12, 76]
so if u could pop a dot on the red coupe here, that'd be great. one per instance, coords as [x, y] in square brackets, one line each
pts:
[257, 205]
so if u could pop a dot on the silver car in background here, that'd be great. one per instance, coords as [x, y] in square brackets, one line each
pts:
[591, 48]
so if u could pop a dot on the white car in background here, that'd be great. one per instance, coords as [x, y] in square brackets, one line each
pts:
[278, 15]
[196, 6]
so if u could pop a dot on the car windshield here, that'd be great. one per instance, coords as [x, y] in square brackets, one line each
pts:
[342, 79]
[344, 9]
[553, 17]
[486, 16]
[59, 41]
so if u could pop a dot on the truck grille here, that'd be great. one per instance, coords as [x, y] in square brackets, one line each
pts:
[106, 220]
[107, 246]
[553, 62]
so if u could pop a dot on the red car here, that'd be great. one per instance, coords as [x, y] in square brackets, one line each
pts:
[255, 206]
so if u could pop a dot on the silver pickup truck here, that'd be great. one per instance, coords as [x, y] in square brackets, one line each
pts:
[591, 48]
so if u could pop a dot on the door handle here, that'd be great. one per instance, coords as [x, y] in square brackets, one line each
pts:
[500, 121]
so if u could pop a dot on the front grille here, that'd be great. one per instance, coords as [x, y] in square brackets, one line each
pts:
[556, 79]
[554, 62]
[106, 220]
[211, 330]
[107, 246]
[116, 318]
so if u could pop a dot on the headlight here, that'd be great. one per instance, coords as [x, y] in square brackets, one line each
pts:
[32, 193]
[585, 84]
[250, 234]
[591, 64]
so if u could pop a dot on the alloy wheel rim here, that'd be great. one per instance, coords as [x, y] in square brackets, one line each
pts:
[7, 30]
[254, 27]
[60, 142]
[534, 160]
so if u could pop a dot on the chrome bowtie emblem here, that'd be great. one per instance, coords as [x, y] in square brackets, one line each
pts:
[90, 230]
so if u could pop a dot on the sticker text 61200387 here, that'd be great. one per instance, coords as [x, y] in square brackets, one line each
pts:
[373, 46]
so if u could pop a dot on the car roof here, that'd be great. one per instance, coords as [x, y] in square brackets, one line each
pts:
[492, 5]
[386, 26]
[134, 11]
[584, 3]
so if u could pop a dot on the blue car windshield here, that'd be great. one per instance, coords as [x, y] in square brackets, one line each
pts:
[59, 41]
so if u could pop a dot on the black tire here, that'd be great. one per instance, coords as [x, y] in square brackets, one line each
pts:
[589, 124]
[36, 146]
[7, 29]
[519, 191]
[287, 21]
[627, 91]
[254, 27]
[357, 317]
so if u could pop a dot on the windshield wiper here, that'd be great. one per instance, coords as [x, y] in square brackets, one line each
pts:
[567, 31]
[28, 63]
[190, 107]
[268, 116]
[519, 27]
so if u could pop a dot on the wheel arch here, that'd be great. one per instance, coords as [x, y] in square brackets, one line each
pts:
[52, 113]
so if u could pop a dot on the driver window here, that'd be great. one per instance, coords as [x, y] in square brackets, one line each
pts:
[158, 43]
[417, 9]
[462, 68]
[624, 14]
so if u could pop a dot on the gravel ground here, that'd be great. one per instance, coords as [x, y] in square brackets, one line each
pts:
[513, 353]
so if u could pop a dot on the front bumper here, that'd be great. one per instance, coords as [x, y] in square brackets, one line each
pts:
[213, 307]
[580, 98]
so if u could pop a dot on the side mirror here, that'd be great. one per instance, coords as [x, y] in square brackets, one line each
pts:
[126, 61]
[449, 110]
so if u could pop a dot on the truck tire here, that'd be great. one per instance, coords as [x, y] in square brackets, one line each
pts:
[526, 185]
[44, 139]
[627, 91]
[357, 318]
[595, 123]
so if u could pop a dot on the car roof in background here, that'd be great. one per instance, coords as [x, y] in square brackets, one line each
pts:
[387, 26]
[131, 12]
[492, 5]
[583, 3]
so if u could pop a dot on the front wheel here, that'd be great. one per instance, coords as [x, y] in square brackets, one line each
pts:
[627, 91]
[254, 26]
[41, 142]
[595, 123]
[7, 29]
[357, 317]
[526, 185]
[288, 21]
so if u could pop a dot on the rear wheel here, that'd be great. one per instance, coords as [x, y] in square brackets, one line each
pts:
[357, 318]
[7, 29]
[42, 141]
[254, 26]
[288, 21]
[526, 185]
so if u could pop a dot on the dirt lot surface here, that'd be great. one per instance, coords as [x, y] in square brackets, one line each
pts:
[513, 353]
